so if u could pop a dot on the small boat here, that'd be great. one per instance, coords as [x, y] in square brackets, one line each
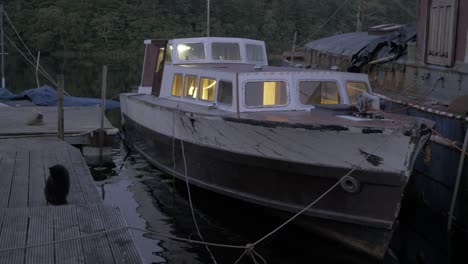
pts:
[212, 110]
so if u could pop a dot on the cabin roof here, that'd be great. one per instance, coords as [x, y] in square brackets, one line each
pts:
[249, 68]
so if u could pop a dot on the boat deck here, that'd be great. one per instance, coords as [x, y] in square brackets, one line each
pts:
[316, 117]
[27, 219]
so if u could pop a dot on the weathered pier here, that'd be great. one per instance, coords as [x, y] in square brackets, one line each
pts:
[32, 231]
[80, 123]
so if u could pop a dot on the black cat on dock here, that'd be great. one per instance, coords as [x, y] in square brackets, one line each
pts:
[57, 185]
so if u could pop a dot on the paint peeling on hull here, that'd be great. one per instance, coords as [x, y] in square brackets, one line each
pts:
[276, 124]
[372, 159]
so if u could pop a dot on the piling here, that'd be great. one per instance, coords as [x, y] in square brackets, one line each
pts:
[60, 126]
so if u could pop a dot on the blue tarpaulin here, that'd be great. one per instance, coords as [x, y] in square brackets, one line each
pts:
[48, 96]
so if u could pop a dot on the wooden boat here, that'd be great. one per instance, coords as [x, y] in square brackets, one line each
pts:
[274, 136]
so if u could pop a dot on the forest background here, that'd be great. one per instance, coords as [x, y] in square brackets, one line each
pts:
[85, 32]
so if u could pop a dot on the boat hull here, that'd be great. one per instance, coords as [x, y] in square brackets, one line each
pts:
[282, 186]
[363, 220]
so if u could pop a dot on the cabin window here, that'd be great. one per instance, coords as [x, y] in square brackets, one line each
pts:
[191, 86]
[265, 93]
[225, 92]
[190, 51]
[207, 89]
[319, 92]
[354, 89]
[255, 53]
[169, 54]
[177, 85]
[225, 51]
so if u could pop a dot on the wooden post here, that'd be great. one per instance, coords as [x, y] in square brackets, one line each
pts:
[291, 62]
[2, 45]
[60, 123]
[103, 106]
[208, 18]
[37, 67]
[359, 17]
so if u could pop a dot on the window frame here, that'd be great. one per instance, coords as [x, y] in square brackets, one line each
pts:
[199, 89]
[368, 90]
[288, 94]
[258, 45]
[182, 88]
[337, 82]
[226, 60]
[232, 93]
[205, 54]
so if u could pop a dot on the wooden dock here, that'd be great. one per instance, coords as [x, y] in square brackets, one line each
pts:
[26, 219]
[79, 123]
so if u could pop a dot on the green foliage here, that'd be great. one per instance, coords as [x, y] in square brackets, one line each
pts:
[81, 35]
[110, 25]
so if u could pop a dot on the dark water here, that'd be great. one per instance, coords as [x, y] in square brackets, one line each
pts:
[152, 200]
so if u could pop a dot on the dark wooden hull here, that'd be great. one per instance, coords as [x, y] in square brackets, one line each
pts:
[363, 221]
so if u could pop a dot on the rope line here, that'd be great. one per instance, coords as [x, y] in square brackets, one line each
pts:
[324, 24]
[192, 241]
[249, 249]
[419, 100]
[404, 8]
[28, 60]
[328, 191]
[448, 141]
[29, 51]
[190, 200]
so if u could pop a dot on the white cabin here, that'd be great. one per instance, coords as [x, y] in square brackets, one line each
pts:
[233, 74]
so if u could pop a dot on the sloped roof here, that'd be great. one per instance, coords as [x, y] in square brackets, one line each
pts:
[346, 44]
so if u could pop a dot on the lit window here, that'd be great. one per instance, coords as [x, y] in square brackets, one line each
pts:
[207, 89]
[177, 85]
[225, 93]
[354, 89]
[169, 54]
[255, 53]
[190, 51]
[265, 93]
[225, 51]
[191, 86]
[318, 92]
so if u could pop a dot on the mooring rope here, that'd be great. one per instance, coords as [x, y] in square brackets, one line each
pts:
[248, 249]
[187, 183]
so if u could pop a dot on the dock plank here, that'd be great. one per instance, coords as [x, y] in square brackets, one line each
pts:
[27, 219]
[20, 183]
[41, 230]
[96, 248]
[36, 179]
[88, 187]
[121, 241]
[13, 234]
[75, 196]
[78, 120]
[7, 168]
[65, 227]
